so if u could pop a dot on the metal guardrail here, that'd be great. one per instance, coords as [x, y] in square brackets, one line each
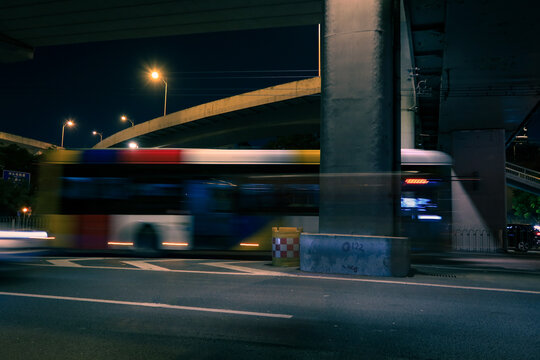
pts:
[475, 240]
[22, 223]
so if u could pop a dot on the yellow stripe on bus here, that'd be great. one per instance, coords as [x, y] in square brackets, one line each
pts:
[64, 156]
[309, 156]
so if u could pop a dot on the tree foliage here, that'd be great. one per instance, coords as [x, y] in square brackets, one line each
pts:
[526, 207]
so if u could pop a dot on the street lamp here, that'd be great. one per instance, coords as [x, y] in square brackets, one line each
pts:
[98, 133]
[133, 145]
[125, 118]
[155, 75]
[67, 123]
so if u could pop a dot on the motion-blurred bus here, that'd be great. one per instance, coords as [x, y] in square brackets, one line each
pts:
[151, 200]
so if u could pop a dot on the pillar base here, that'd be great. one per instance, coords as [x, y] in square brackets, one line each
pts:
[355, 254]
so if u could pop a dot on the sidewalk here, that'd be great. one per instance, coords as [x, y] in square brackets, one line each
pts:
[517, 262]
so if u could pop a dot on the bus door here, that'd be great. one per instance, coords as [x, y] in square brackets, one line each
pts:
[212, 203]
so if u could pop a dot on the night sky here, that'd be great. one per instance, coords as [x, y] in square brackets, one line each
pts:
[96, 83]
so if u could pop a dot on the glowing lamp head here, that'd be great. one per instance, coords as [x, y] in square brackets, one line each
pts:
[94, 132]
[133, 145]
[70, 123]
[24, 210]
[123, 117]
[155, 75]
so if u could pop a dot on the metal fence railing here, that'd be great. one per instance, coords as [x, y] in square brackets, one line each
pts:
[476, 240]
[22, 223]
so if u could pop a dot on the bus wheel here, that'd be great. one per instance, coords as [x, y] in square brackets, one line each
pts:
[146, 240]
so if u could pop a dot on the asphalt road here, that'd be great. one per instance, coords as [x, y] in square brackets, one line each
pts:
[121, 308]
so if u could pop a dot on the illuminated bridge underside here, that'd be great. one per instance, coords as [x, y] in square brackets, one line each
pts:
[283, 109]
[27, 24]
[27, 143]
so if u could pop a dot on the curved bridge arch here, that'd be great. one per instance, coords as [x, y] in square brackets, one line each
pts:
[291, 107]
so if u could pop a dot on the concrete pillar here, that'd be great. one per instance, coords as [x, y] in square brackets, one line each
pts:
[408, 94]
[360, 132]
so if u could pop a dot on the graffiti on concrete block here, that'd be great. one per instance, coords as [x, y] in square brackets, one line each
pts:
[353, 246]
[352, 268]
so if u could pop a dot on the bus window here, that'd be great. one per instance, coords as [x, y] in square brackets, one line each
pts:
[157, 198]
[86, 195]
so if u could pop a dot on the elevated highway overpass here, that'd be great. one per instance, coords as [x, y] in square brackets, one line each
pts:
[32, 145]
[288, 108]
[522, 178]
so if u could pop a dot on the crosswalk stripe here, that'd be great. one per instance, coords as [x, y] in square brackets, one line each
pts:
[142, 264]
[64, 263]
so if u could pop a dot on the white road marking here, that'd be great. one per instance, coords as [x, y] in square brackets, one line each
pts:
[153, 305]
[229, 266]
[245, 271]
[71, 263]
[393, 282]
[142, 264]
[139, 269]
[64, 263]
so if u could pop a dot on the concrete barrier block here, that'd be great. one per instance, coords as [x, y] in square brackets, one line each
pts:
[355, 254]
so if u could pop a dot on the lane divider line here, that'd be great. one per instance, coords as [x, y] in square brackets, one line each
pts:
[150, 305]
[410, 283]
[246, 272]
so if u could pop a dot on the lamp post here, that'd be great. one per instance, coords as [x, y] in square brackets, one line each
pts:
[125, 118]
[67, 123]
[155, 75]
[98, 133]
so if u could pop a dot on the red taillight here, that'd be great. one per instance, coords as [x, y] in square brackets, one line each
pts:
[416, 181]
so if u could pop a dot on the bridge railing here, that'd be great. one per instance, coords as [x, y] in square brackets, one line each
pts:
[523, 173]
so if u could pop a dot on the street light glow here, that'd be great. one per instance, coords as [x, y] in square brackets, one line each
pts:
[155, 75]
[98, 133]
[125, 118]
[69, 123]
[133, 145]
